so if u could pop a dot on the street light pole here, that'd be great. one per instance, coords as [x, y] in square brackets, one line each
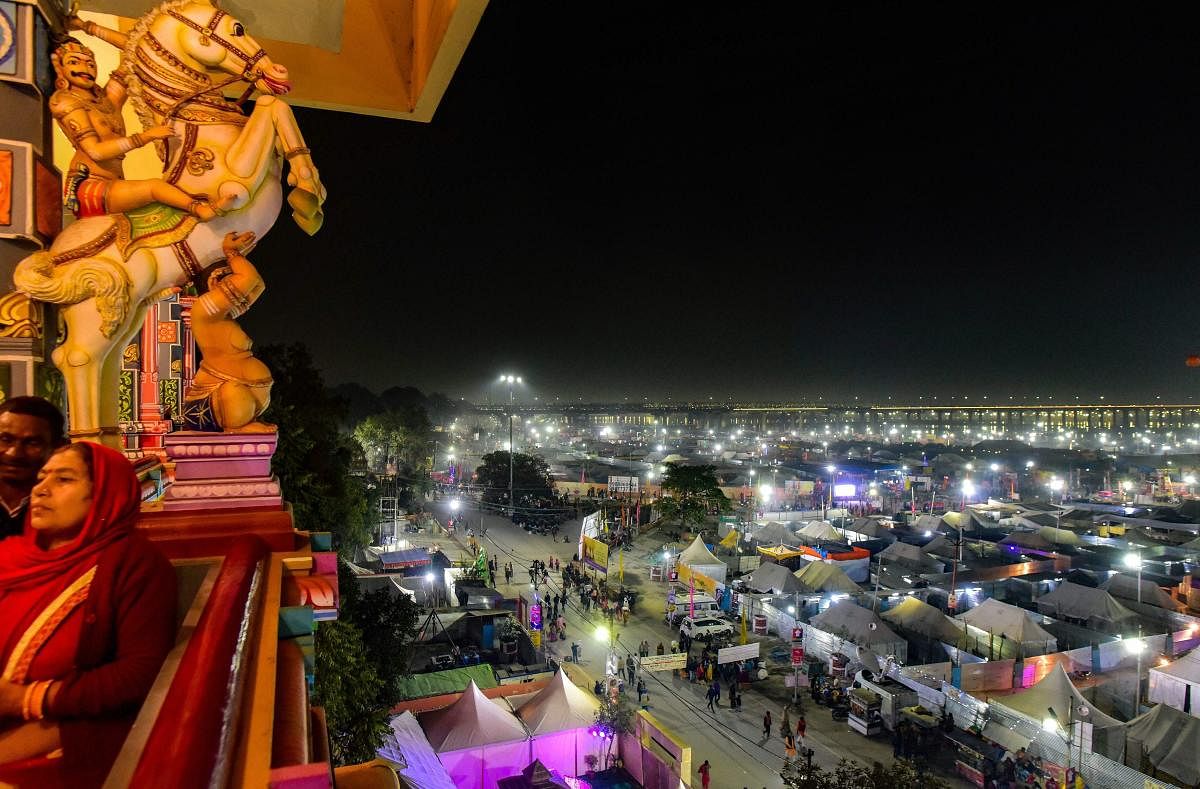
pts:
[510, 380]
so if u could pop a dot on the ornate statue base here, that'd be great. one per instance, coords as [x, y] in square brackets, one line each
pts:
[221, 471]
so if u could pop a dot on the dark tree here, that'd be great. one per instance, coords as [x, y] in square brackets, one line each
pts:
[694, 493]
[531, 478]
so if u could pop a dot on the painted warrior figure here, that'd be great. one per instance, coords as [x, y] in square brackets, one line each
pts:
[231, 388]
[90, 116]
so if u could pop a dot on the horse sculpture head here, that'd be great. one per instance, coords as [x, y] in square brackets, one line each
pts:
[207, 39]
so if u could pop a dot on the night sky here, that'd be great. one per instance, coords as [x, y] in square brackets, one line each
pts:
[678, 200]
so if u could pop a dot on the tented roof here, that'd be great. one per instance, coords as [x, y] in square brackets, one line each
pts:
[1000, 618]
[774, 533]
[1083, 602]
[870, 527]
[1027, 539]
[820, 530]
[822, 577]
[1059, 536]
[472, 721]
[1186, 668]
[1054, 691]
[698, 553]
[1126, 587]
[911, 556]
[938, 543]
[930, 523]
[1170, 739]
[920, 617]
[775, 578]
[558, 707]
[451, 680]
[409, 746]
[856, 622]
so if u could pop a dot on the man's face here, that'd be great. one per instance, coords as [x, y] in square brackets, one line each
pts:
[79, 69]
[25, 446]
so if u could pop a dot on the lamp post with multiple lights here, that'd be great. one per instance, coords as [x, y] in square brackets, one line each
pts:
[510, 380]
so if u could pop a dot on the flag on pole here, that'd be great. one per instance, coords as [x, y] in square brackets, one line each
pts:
[730, 540]
[621, 566]
[691, 594]
[744, 636]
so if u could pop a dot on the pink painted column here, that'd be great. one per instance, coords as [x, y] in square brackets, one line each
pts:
[149, 408]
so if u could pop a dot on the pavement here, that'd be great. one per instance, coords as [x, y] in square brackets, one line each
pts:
[731, 741]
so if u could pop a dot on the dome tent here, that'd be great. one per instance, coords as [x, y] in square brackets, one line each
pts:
[699, 558]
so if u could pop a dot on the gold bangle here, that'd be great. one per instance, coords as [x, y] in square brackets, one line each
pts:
[26, 702]
[38, 708]
[136, 139]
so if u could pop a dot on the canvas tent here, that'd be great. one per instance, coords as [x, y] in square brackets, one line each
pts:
[820, 576]
[930, 523]
[815, 531]
[1055, 691]
[910, 556]
[1027, 539]
[846, 620]
[409, 749]
[558, 717]
[1125, 587]
[700, 559]
[773, 533]
[870, 529]
[773, 578]
[1178, 683]
[1061, 537]
[993, 621]
[916, 616]
[1169, 740]
[1094, 606]
[478, 740]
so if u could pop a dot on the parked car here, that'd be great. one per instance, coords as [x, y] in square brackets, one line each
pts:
[704, 628]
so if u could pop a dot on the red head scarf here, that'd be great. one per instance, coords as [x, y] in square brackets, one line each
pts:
[116, 499]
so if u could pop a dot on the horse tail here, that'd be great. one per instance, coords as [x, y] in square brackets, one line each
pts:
[98, 278]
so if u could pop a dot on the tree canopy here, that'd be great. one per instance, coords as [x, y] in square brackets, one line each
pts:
[694, 493]
[531, 477]
[313, 459]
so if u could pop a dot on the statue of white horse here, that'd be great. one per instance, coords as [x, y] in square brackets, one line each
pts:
[104, 283]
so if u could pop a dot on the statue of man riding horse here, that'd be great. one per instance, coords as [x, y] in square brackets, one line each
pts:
[136, 240]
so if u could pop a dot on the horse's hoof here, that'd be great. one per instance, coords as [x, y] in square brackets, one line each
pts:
[309, 224]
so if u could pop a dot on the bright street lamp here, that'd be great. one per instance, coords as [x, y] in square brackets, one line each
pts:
[510, 380]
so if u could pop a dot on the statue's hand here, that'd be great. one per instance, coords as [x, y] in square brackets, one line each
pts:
[75, 23]
[158, 133]
[238, 243]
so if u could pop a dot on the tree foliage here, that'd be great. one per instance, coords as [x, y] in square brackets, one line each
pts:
[614, 718]
[348, 687]
[694, 493]
[313, 459]
[530, 477]
[900, 774]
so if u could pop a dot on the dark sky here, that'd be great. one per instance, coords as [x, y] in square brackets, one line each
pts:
[687, 200]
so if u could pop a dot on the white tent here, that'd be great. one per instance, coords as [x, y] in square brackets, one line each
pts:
[1178, 683]
[774, 578]
[820, 530]
[860, 626]
[870, 528]
[1014, 629]
[699, 558]
[1094, 606]
[916, 616]
[409, 748]
[478, 741]
[558, 717]
[773, 533]
[818, 576]
[931, 523]
[910, 556]
[1055, 691]
[1170, 741]
[1125, 587]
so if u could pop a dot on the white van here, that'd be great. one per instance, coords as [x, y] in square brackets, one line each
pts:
[704, 604]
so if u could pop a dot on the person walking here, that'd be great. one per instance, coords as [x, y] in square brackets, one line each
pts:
[705, 774]
[642, 692]
[789, 748]
[661, 650]
[785, 725]
[766, 724]
[801, 728]
[575, 652]
[712, 696]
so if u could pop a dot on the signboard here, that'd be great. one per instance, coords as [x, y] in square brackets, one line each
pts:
[670, 662]
[738, 653]
[622, 485]
[536, 638]
[595, 554]
[797, 656]
[844, 491]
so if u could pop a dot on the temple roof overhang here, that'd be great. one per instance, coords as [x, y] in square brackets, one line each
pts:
[391, 58]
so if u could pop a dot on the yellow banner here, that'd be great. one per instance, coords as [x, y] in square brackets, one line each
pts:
[703, 582]
[595, 553]
[730, 540]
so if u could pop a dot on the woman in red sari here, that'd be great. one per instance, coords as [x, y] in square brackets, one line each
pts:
[87, 615]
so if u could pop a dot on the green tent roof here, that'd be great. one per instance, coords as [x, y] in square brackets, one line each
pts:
[452, 680]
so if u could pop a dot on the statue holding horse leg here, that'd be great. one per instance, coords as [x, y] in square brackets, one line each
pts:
[104, 271]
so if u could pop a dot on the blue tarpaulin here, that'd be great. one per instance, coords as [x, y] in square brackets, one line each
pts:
[396, 560]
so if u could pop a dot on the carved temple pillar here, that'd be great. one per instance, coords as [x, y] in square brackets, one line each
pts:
[149, 408]
[30, 194]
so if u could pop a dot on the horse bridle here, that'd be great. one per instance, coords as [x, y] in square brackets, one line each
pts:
[209, 32]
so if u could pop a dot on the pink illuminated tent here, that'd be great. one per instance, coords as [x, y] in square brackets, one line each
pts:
[478, 740]
[559, 716]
